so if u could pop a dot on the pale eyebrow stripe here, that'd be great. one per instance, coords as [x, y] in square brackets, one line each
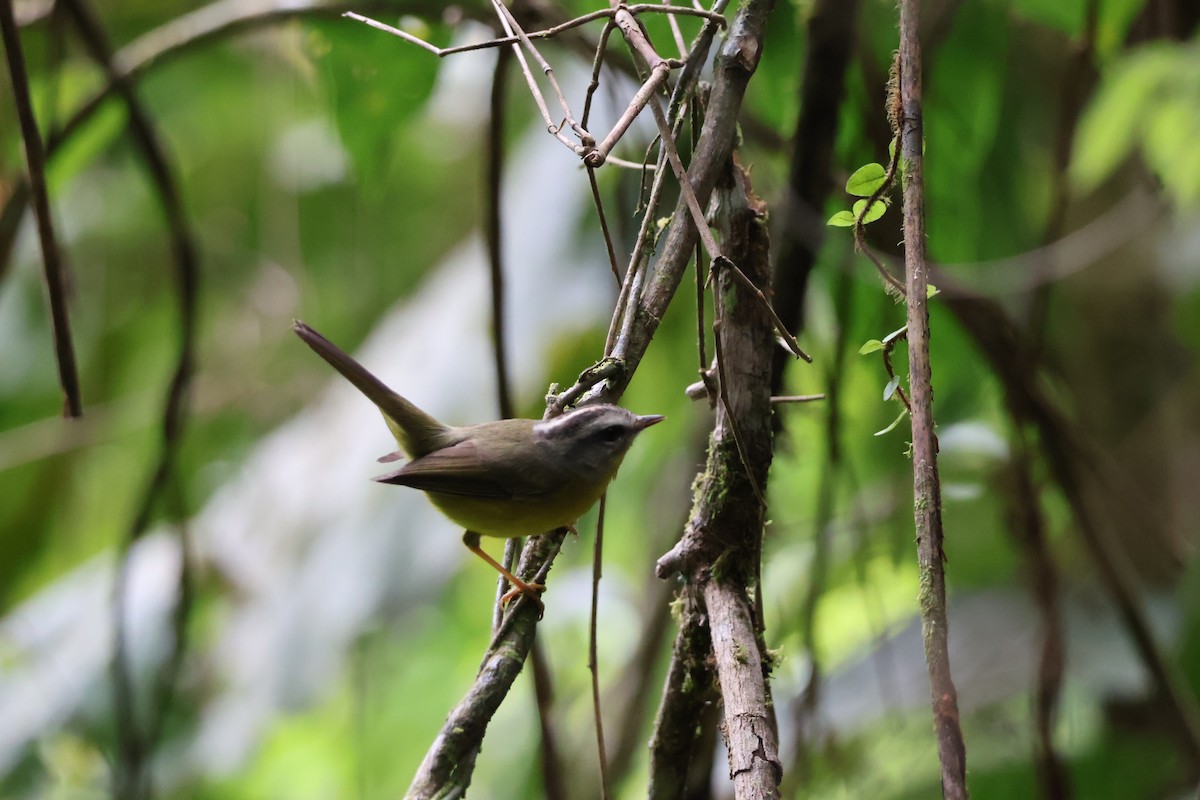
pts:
[567, 422]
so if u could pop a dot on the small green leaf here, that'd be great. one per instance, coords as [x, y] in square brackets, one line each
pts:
[895, 422]
[866, 180]
[842, 219]
[875, 212]
[931, 290]
[872, 345]
[891, 387]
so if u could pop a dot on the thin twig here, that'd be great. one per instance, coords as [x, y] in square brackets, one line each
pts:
[493, 227]
[608, 242]
[493, 224]
[714, 18]
[797, 398]
[677, 34]
[889, 344]
[511, 26]
[593, 623]
[554, 785]
[597, 63]
[660, 70]
[860, 237]
[623, 315]
[710, 244]
[613, 161]
[785, 335]
[52, 260]
[508, 23]
[722, 388]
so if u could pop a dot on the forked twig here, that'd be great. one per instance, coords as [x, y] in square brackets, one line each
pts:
[623, 16]
[710, 244]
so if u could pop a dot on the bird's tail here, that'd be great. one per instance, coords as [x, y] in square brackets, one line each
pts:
[415, 431]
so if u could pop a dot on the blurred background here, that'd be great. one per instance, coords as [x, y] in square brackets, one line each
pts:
[333, 173]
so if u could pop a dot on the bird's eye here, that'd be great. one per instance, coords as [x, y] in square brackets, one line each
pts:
[611, 434]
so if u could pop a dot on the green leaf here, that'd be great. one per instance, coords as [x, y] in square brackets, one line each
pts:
[895, 422]
[891, 387]
[374, 82]
[871, 346]
[931, 290]
[866, 180]
[842, 219]
[875, 212]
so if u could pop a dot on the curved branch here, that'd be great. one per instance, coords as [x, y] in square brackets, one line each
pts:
[35, 161]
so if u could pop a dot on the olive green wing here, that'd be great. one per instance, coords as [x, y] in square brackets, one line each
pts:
[460, 469]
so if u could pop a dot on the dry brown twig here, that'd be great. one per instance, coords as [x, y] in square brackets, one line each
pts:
[593, 154]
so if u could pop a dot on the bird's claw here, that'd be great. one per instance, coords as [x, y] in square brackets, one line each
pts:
[529, 590]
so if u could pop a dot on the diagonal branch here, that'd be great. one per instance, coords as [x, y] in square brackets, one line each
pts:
[720, 549]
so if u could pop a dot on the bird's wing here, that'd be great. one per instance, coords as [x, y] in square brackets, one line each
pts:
[457, 470]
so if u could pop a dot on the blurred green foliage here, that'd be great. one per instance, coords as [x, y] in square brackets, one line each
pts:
[318, 183]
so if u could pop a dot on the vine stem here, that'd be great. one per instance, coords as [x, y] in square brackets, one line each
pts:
[927, 500]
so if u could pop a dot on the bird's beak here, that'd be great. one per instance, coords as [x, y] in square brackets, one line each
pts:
[648, 420]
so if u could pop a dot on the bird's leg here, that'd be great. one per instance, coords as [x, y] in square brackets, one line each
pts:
[530, 590]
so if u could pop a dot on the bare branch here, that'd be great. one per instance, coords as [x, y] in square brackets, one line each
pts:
[927, 498]
[35, 163]
[593, 667]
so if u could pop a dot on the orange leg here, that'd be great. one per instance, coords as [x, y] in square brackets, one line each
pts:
[520, 587]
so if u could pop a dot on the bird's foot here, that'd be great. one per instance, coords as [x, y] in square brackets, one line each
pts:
[529, 590]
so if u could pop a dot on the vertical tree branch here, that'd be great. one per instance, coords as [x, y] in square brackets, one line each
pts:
[1028, 527]
[35, 162]
[830, 42]
[493, 226]
[720, 546]
[688, 691]
[927, 500]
